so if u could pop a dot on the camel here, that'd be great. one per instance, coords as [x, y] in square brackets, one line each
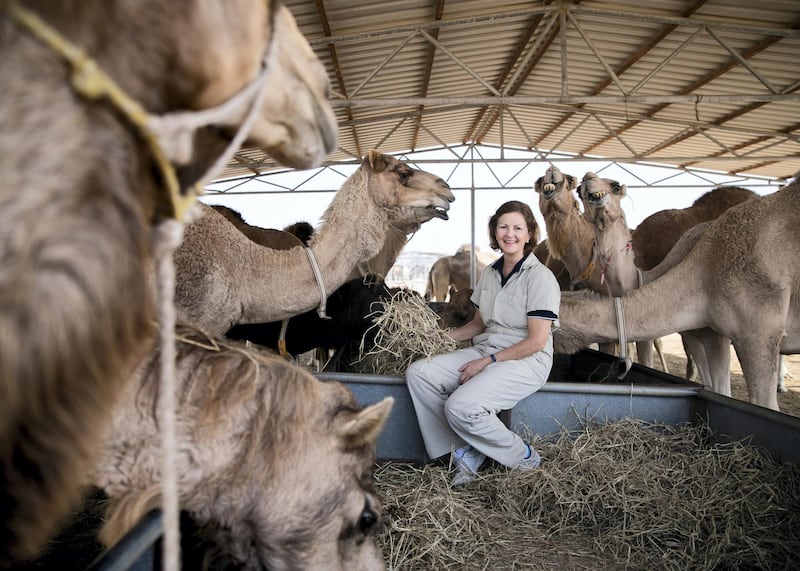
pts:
[570, 239]
[657, 234]
[452, 271]
[275, 465]
[612, 250]
[224, 279]
[397, 235]
[654, 237]
[85, 178]
[352, 310]
[285, 239]
[740, 280]
[569, 234]
[542, 253]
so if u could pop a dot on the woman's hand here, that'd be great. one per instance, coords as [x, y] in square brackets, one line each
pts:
[473, 368]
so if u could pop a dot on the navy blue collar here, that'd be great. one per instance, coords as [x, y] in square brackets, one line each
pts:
[498, 265]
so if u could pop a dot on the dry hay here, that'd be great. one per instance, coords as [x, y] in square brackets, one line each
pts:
[624, 495]
[404, 330]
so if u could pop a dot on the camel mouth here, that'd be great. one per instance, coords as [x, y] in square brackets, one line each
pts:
[549, 189]
[439, 212]
[597, 198]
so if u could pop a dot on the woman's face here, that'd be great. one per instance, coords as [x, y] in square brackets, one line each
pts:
[511, 234]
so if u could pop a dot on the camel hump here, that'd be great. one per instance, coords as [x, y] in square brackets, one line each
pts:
[718, 200]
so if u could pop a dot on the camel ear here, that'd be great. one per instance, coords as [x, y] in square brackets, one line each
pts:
[537, 186]
[571, 181]
[377, 160]
[364, 428]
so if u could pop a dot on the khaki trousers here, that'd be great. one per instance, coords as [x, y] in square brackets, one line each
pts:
[452, 415]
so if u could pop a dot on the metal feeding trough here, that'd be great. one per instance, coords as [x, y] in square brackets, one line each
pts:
[585, 385]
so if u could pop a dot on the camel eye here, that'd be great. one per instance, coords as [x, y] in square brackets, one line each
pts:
[368, 520]
[404, 175]
[579, 190]
[616, 188]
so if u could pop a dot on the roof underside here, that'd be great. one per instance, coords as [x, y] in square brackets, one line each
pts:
[697, 84]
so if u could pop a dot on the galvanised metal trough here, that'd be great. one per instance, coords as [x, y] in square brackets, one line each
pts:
[583, 386]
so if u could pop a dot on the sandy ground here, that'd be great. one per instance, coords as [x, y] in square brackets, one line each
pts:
[789, 402]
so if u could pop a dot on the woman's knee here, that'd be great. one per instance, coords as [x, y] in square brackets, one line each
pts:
[463, 414]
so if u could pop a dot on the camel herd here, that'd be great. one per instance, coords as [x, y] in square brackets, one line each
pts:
[727, 280]
[109, 116]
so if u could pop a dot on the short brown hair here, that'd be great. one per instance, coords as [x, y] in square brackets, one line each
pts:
[530, 222]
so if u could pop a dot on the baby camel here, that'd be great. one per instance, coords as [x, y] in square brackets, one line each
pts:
[745, 260]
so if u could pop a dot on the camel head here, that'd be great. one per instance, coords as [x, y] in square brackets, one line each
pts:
[294, 123]
[298, 127]
[601, 196]
[412, 196]
[554, 181]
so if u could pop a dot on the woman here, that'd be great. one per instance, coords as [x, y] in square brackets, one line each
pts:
[457, 395]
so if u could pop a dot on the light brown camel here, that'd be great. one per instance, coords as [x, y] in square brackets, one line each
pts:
[612, 251]
[740, 279]
[82, 184]
[569, 234]
[452, 271]
[397, 236]
[274, 465]
[657, 234]
[570, 239]
[223, 278]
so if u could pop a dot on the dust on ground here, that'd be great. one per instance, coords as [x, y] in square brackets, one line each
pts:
[789, 401]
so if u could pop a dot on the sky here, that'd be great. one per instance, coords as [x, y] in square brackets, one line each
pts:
[495, 185]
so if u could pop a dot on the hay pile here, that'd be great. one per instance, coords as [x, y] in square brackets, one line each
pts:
[405, 329]
[625, 495]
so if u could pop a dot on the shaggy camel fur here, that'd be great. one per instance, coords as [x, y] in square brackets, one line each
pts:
[452, 271]
[613, 253]
[81, 189]
[223, 278]
[740, 279]
[275, 465]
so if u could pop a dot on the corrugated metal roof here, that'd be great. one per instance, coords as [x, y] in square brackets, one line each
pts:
[706, 84]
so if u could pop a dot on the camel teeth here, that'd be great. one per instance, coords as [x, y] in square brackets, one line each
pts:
[549, 187]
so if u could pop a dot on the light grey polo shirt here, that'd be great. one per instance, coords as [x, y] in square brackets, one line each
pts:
[531, 290]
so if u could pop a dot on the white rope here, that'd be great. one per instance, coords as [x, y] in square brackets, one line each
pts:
[168, 235]
[318, 276]
[623, 339]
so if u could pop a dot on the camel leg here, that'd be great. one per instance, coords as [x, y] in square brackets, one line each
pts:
[783, 372]
[689, 345]
[717, 351]
[695, 352]
[659, 347]
[644, 353]
[759, 360]
[610, 348]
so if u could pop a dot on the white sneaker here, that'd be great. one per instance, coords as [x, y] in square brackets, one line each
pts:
[532, 461]
[467, 461]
